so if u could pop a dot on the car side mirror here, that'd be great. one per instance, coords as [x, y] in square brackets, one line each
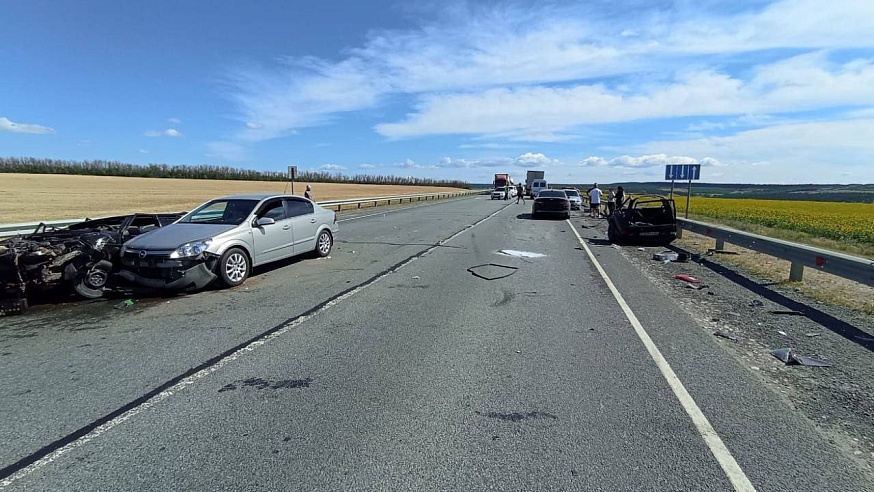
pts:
[263, 221]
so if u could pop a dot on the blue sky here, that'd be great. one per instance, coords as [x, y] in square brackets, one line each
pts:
[755, 91]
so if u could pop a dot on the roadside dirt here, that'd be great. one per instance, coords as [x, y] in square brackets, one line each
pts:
[741, 302]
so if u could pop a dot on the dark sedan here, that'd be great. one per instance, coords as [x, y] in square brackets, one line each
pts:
[80, 258]
[551, 202]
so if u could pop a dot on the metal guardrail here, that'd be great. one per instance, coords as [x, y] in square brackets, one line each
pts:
[850, 267]
[8, 230]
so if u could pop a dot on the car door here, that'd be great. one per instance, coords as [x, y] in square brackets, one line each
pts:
[272, 241]
[302, 215]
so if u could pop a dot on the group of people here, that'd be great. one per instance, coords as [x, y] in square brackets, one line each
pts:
[615, 200]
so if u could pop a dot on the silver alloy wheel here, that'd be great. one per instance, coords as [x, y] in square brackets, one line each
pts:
[324, 243]
[236, 266]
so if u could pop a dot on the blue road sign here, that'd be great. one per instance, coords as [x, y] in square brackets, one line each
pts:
[683, 171]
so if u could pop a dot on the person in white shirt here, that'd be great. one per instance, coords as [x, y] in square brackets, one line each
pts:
[595, 201]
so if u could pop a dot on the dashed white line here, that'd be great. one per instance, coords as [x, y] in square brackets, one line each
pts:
[717, 447]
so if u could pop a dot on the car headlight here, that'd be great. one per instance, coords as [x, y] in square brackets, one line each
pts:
[193, 248]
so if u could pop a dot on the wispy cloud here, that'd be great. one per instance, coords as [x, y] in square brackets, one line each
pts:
[646, 161]
[332, 167]
[227, 151]
[533, 74]
[170, 132]
[143, 151]
[174, 121]
[11, 126]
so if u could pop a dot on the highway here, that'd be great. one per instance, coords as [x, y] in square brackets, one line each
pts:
[418, 356]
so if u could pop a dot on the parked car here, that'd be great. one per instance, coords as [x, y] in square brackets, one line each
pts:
[537, 186]
[574, 196]
[499, 193]
[551, 202]
[645, 219]
[80, 258]
[223, 239]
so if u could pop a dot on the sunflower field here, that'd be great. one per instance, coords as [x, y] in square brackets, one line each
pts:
[852, 222]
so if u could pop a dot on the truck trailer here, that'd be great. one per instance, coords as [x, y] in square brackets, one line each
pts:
[529, 179]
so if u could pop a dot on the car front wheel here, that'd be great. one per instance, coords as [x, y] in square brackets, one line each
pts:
[234, 267]
[91, 280]
[324, 244]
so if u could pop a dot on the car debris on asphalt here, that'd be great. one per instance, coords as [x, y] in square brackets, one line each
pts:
[728, 335]
[787, 312]
[687, 278]
[790, 357]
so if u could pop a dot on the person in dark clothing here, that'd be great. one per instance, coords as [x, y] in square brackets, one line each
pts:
[520, 193]
[307, 194]
[620, 198]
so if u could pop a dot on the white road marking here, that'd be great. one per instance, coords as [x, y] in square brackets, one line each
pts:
[720, 451]
[181, 385]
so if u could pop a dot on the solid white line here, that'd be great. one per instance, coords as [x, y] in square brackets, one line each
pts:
[720, 451]
[181, 385]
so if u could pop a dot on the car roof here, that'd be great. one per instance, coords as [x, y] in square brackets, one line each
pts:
[256, 196]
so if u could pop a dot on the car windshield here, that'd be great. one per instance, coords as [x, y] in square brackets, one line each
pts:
[572, 193]
[551, 194]
[228, 212]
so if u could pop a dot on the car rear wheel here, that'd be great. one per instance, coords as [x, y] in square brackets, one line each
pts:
[324, 244]
[91, 280]
[234, 267]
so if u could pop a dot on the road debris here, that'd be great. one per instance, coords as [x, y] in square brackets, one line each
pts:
[125, 303]
[728, 335]
[721, 252]
[687, 278]
[615, 246]
[756, 303]
[811, 335]
[492, 271]
[782, 333]
[520, 254]
[790, 357]
[787, 312]
[415, 277]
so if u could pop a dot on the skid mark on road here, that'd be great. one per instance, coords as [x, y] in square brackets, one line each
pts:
[51, 452]
[717, 447]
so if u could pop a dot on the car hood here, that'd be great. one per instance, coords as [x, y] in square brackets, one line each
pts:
[175, 235]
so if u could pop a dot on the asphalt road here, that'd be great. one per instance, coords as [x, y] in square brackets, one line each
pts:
[416, 357]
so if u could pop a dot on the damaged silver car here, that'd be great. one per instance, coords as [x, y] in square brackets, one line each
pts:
[223, 239]
[79, 259]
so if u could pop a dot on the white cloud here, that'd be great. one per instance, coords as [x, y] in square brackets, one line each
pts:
[11, 126]
[170, 132]
[367, 166]
[466, 50]
[228, 151]
[174, 121]
[143, 151]
[332, 167]
[646, 161]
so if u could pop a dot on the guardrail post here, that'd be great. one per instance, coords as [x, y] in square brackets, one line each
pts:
[720, 244]
[679, 231]
[796, 272]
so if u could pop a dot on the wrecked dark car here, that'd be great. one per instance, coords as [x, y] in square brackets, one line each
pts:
[646, 219]
[78, 259]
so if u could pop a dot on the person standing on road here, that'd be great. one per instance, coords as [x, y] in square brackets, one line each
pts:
[595, 200]
[307, 194]
[620, 197]
[520, 195]
[611, 202]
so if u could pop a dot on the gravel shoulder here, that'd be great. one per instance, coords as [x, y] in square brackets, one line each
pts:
[737, 301]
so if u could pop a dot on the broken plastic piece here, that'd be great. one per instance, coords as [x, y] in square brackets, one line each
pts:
[790, 357]
[756, 303]
[789, 312]
[782, 333]
[415, 277]
[125, 303]
[666, 255]
[730, 336]
[687, 278]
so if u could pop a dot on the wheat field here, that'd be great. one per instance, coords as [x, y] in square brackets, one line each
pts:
[37, 197]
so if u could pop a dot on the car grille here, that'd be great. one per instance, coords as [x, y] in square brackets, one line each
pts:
[159, 266]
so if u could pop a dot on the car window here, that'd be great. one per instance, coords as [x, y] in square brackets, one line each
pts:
[272, 210]
[297, 208]
[222, 212]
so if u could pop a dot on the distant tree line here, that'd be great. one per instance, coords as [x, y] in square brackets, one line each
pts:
[31, 165]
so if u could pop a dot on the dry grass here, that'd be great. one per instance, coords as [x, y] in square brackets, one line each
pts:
[817, 285]
[33, 197]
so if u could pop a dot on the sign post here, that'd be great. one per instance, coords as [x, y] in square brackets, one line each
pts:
[292, 173]
[685, 172]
